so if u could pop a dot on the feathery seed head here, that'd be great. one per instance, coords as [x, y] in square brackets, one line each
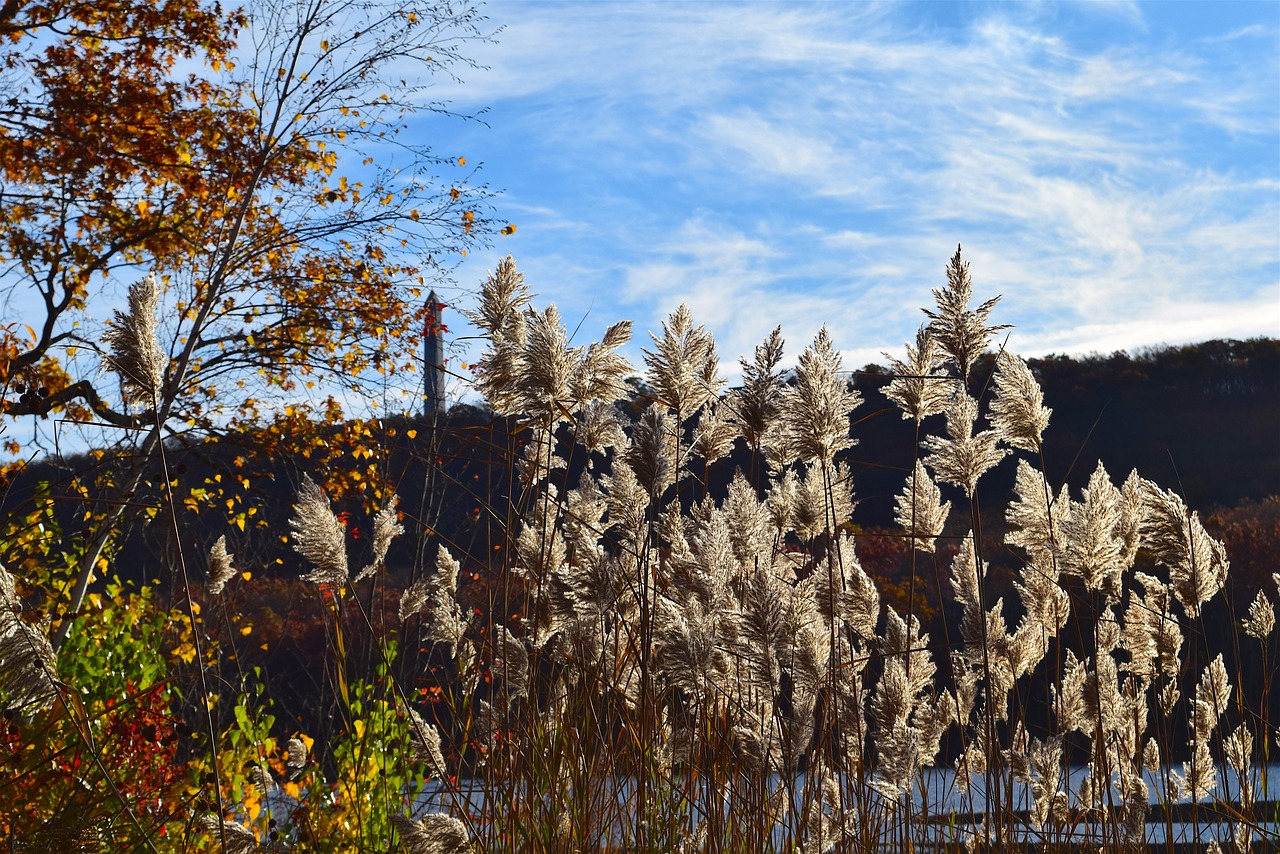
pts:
[600, 427]
[1018, 412]
[965, 456]
[239, 839]
[755, 405]
[414, 598]
[503, 297]
[1048, 604]
[652, 454]
[690, 646]
[682, 368]
[1068, 695]
[548, 370]
[748, 520]
[386, 527]
[781, 501]
[1197, 563]
[713, 437]
[1151, 756]
[602, 372]
[813, 414]
[448, 624]
[1092, 545]
[628, 499]
[1261, 618]
[220, 568]
[1035, 517]
[134, 347]
[920, 510]
[920, 387]
[318, 535]
[260, 776]
[1214, 690]
[510, 667]
[424, 744]
[844, 591]
[28, 667]
[433, 833]
[297, 758]
[962, 334]
[902, 639]
[1239, 750]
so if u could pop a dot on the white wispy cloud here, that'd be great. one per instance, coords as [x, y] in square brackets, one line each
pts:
[1108, 169]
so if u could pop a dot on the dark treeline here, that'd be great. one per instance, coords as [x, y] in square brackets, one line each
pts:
[1201, 419]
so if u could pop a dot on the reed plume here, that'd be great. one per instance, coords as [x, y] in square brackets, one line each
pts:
[920, 387]
[28, 666]
[1018, 412]
[424, 744]
[386, 527]
[682, 366]
[447, 624]
[1197, 563]
[296, 758]
[755, 404]
[813, 415]
[1261, 618]
[433, 833]
[964, 456]
[318, 535]
[961, 334]
[133, 345]
[237, 839]
[503, 297]
[220, 568]
[921, 511]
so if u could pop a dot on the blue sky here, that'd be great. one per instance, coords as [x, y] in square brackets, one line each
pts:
[1111, 168]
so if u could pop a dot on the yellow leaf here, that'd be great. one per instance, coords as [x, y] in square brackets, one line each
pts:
[245, 630]
[412, 434]
[142, 207]
[462, 161]
[246, 575]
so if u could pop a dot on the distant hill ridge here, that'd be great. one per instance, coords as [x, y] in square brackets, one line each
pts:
[1200, 418]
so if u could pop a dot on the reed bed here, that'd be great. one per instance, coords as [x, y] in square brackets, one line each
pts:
[666, 669]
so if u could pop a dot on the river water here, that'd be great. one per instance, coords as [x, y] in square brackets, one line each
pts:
[945, 813]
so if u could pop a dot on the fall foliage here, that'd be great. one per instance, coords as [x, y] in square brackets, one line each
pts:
[267, 167]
